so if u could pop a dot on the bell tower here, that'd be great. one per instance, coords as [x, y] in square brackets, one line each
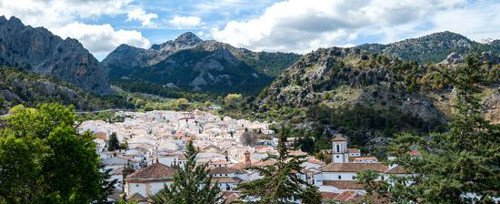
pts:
[339, 149]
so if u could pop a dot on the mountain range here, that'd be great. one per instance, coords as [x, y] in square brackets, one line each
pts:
[194, 64]
[384, 78]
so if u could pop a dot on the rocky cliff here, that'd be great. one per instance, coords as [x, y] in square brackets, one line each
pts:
[369, 97]
[40, 51]
[430, 48]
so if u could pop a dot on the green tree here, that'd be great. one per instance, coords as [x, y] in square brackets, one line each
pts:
[454, 165]
[192, 184]
[43, 159]
[113, 143]
[108, 186]
[279, 182]
[232, 100]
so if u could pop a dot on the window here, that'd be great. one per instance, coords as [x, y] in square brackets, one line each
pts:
[340, 177]
[338, 156]
[338, 148]
[353, 177]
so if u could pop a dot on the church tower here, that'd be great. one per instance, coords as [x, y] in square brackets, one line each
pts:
[339, 149]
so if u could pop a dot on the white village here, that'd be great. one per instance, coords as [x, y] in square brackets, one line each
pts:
[155, 143]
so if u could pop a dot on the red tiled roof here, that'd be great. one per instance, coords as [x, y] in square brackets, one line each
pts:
[415, 153]
[137, 197]
[344, 184]
[354, 167]
[226, 180]
[396, 170]
[347, 196]
[353, 150]
[314, 160]
[328, 195]
[230, 197]
[101, 135]
[222, 170]
[155, 172]
[339, 137]
[362, 158]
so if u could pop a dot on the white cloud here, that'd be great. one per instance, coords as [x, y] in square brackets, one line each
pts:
[63, 18]
[302, 26]
[101, 39]
[185, 21]
[140, 15]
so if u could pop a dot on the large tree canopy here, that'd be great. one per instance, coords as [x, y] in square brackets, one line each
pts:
[43, 159]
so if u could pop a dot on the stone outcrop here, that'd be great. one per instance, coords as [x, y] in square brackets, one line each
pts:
[40, 51]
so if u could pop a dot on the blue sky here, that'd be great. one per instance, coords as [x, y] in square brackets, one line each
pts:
[262, 25]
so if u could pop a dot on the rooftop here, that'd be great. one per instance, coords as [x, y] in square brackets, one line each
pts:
[354, 167]
[339, 138]
[155, 172]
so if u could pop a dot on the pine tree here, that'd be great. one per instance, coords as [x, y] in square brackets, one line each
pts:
[457, 166]
[113, 143]
[192, 184]
[108, 185]
[279, 182]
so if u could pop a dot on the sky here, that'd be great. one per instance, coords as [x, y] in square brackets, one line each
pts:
[298, 26]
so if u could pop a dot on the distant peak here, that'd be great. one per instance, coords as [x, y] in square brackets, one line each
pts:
[188, 38]
[15, 21]
[446, 34]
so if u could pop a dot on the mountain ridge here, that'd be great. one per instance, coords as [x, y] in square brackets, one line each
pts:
[40, 51]
[198, 65]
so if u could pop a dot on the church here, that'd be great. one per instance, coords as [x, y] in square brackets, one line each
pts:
[340, 175]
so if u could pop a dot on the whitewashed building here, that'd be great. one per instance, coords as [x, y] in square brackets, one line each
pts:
[148, 181]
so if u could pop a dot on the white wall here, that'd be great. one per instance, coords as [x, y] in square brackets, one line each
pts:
[334, 176]
[145, 189]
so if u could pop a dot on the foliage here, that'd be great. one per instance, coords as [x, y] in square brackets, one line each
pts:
[232, 101]
[38, 150]
[107, 185]
[280, 182]
[192, 184]
[113, 143]
[458, 166]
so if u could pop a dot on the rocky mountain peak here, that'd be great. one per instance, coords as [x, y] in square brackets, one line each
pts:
[40, 51]
[188, 38]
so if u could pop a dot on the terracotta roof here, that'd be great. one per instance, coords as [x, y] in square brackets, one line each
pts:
[353, 150]
[354, 167]
[396, 170]
[347, 196]
[415, 153]
[137, 197]
[297, 153]
[313, 160]
[230, 197]
[155, 172]
[101, 135]
[357, 159]
[339, 137]
[226, 180]
[240, 166]
[222, 170]
[328, 195]
[344, 184]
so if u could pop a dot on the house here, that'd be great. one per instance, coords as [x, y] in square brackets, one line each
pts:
[148, 181]
[172, 159]
[225, 177]
[114, 162]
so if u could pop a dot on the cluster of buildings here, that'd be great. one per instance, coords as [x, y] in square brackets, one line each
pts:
[156, 142]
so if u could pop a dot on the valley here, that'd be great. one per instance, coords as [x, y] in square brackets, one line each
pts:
[330, 125]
